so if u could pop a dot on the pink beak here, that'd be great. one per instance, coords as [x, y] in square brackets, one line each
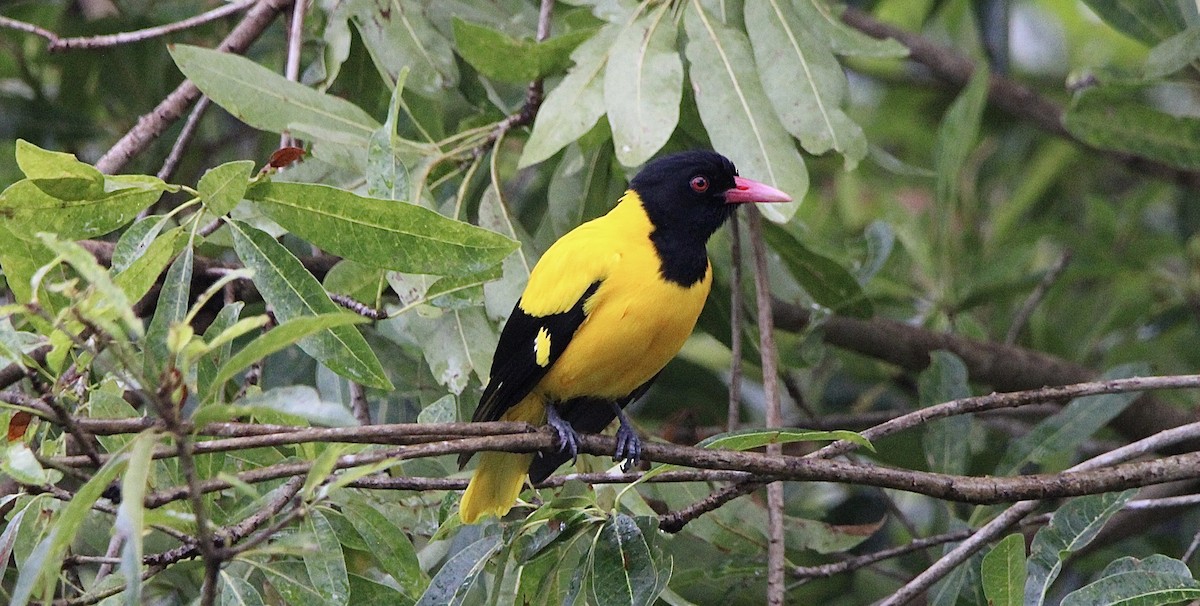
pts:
[747, 190]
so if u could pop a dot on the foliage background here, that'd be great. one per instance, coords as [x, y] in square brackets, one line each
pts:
[1041, 230]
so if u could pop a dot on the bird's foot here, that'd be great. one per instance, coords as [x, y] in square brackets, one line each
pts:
[564, 435]
[629, 445]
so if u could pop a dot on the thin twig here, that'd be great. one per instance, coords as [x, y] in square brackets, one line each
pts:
[736, 319]
[862, 561]
[152, 124]
[776, 556]
[358, 307]
[1035, 297]
[292, 68]
[21, 26]
[93, 42]
[185, 137]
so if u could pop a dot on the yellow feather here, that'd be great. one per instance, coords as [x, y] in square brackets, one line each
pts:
[499, 477]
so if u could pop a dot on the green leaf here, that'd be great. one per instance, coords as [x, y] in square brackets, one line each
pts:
[1173, 54]
[946, 448]
[454, 343]
[287, 333]
[293, 292]
[264, 99]
[1056, 438]
[1115, 117]
[803, 80]
[1148, 22]
[827, 282]
[236, 591]
[643, 85]
[746, 439]
[453, 581]
[103, 303]
[387, 174]
[171, 309]
[130, 522]
[300, 402]
[399, 36]
[381, 233]
[135, 240]
[139, 276]
[1071, 528]
[622, 567]
[736, 112]
[20, 464]
[41, 568]
[26, 210]
[366, 592]
[1156, 580]
[389, 546]
[956, 137]
[222, 187]
[326, 564]
[502, 57]
[572, 108]
[819, 18]
[1004, 572]
[59, 175]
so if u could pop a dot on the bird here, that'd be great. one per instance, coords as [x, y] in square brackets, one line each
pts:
[604, 310]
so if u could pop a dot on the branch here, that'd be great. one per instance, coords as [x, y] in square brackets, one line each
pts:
[151, 125]
[1014, 98]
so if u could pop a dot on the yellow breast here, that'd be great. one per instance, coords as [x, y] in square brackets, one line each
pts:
[636, 321]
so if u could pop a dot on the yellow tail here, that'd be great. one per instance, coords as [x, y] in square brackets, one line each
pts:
[500, 475]
[495, 485]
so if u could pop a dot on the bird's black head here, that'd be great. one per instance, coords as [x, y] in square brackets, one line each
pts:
[687, 197]
[684, 193]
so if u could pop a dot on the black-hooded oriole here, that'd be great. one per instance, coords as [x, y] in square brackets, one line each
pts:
[607, 306]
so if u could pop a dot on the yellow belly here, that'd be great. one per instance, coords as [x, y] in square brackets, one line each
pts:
[637, 323]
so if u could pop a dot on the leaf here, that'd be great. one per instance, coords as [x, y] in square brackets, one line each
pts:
[573, 107]
[455, 344]
[1114, 117]
[58, 174]
[1155, 580]
[756, 438]
[1057, 437]
[366, 592]
[818, 18]
[389, 546]
[236, 591]
[827, 282]
[222, 187]
[736, 112]
[946, 448]
[20, 464]
[1173, 54]
[293, 292]
[264, 99]
[956, 138]
[1071, 528]
[26, 210]
[450, 585]
[1004, 572]
[387, 175]
[170, 311]
[399, 36]
[1146, 21]
[643, 85]
[140, 275]
[298, 401]
[622, 568]
[326, 564]
[42, 567]
[130, 523]
[502, 57]
[803, 80]
[287, 333]
[135, 240]
[103, 301]
[381, 233]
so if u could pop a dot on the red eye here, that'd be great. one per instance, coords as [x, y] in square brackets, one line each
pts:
[699, 184]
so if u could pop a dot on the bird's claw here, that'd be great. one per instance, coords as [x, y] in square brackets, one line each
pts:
[564, 435]
[629, 447]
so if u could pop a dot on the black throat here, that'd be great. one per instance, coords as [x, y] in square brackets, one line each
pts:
[682, 256]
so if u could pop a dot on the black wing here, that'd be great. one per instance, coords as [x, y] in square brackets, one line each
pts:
[515, 368]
